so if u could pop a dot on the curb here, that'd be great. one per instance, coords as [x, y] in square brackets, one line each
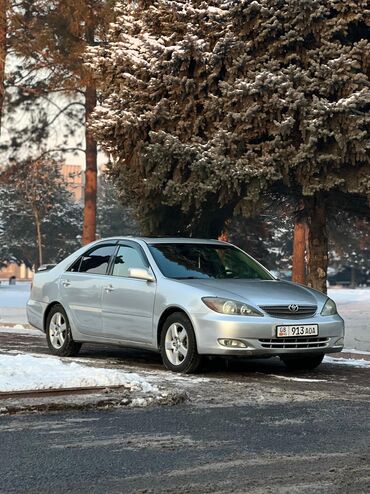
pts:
[103, 401]
[35, 393]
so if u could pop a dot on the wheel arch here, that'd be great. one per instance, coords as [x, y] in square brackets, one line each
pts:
[165, 314]
[47, 312]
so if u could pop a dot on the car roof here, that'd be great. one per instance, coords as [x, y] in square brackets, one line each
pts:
[179, 240]
[169, 240]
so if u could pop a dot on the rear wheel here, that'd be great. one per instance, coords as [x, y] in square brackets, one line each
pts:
[306, 362]
[178, 345]
[58, 333]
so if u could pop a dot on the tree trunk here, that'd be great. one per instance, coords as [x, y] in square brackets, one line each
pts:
[317, 265]
[353, 283]
[38, 238]
[224, 236]
[89, 226]
[299, 252]
[3, 50]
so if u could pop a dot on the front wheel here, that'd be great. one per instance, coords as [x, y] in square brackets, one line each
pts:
[178, 345]
[306, 362]
[58, 333]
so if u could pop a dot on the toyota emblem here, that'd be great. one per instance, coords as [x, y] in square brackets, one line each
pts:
[293, 307]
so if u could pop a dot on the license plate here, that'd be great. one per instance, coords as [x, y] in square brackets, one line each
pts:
[298, 330]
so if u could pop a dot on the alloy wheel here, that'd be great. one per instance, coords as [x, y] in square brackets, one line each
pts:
[176, 343]
[58, 330]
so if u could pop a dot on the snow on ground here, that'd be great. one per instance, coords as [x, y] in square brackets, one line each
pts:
[349, 295]
[14, 315]
[354, 306]
[347, 361]
[13, 300]
[20, 329]
[353, 350]
[27, 372]
[299, 379]
[14, 295]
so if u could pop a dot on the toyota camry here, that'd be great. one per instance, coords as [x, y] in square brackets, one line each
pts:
[184, 298]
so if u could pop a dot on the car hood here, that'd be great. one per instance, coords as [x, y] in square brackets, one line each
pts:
[258, 292]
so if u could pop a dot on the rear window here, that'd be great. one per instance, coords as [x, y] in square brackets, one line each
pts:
[95, 262]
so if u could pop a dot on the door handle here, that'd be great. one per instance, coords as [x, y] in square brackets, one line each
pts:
[66, 283]
[108, 288]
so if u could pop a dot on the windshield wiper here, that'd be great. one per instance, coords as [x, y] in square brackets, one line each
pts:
[189, 278]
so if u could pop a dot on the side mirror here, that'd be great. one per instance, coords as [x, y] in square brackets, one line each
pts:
[45, 267]
[141, 274]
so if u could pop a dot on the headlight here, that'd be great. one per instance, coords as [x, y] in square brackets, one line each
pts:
[329, 308]
[232, 307]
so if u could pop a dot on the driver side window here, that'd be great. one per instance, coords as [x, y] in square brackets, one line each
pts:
[128, 257]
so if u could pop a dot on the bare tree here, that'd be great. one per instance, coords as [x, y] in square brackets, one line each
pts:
[50, 38]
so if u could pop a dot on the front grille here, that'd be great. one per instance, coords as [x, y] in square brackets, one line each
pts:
[284, 311]
[312, 342]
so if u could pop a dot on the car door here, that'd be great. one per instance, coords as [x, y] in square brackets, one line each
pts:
[81, 288]
[128, 303]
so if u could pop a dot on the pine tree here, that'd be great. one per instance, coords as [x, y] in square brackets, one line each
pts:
[205, 107]
[112, 217]
[39, 221]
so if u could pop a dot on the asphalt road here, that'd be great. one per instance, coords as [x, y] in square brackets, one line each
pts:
[249, 426]
[305, 447]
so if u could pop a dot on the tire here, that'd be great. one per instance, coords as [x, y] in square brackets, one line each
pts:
[178, 345]
[304, 363]
[58, 333]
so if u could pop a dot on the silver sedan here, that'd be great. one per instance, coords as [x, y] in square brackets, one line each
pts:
[185, 298]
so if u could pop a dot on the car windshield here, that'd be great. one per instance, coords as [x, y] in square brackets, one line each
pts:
[205, 261]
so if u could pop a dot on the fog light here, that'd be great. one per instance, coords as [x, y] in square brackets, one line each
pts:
[339, 342]
[230, 343]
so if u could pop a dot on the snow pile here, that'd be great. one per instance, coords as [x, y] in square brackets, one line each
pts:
[27, 372]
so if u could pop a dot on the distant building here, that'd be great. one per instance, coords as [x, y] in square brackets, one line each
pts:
[20, 272]
[75, 179]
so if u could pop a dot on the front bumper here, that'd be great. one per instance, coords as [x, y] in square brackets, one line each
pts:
[259, 335]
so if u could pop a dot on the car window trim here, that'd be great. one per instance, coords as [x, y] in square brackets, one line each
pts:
[79, 259]
[111, 261]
